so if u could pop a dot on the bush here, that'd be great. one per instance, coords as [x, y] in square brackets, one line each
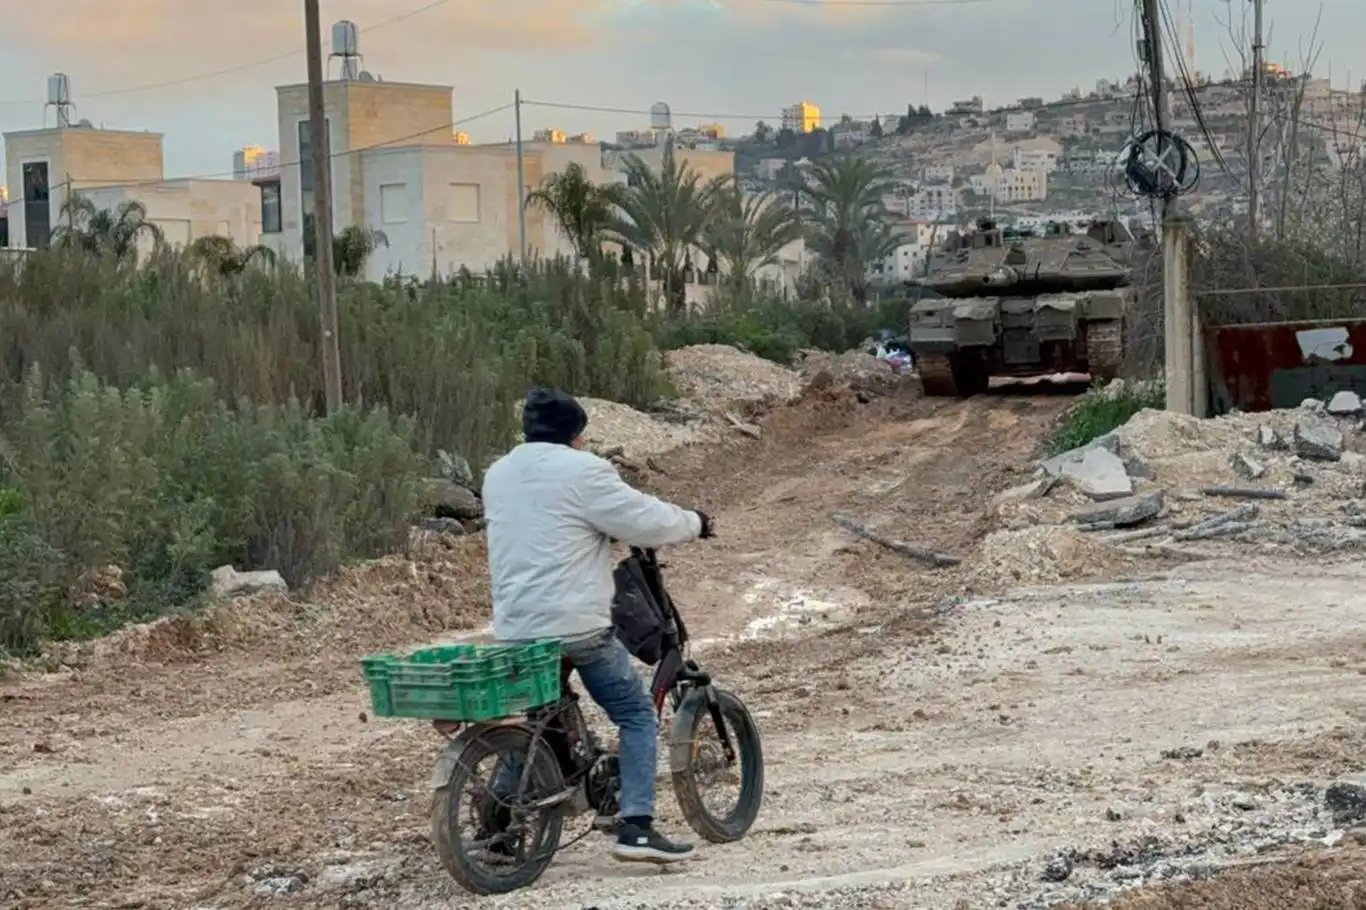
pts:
[777, 329]
[1331, 286]
[455, 355]
[1101, 411]
[166, 418]
[166, 481]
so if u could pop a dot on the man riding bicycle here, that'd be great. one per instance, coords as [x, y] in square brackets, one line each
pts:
[553, 511]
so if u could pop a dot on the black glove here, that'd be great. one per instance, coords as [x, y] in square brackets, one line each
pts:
[707, 530]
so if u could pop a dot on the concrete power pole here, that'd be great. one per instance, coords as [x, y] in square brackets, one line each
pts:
[521, 180]
[1181, 320]
[322, 210]
[1254, 126]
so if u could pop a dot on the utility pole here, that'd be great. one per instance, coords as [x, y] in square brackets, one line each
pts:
[1181, 322]
[1254, 126]
[521, 180]
[322, 210]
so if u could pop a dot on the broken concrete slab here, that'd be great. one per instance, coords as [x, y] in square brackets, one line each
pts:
[1317, 440]
[1100, 474]
[228, 582]
[1245, 467]
[1345, 404]
[1137, 467]
[1035, 489]
[1053, 466]
[1121, 513]
[1268, 438]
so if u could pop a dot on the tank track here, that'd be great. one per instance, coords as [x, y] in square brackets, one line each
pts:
[1104, 349]
[936, 376]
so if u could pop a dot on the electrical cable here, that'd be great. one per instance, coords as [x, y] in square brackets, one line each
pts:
[1188, 82]
[182, 80]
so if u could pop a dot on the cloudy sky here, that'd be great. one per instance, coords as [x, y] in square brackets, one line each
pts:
[143, 64]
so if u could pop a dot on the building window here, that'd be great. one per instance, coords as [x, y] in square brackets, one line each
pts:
[37, 205]
[271, 220]
[393, 203]
[465, 202]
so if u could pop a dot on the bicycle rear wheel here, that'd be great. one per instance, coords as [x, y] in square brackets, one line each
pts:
[513, 840]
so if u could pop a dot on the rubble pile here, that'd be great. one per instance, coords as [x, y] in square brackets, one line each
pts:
[1170, 484]
[1043, 554]
[856, 369]
[720, 379]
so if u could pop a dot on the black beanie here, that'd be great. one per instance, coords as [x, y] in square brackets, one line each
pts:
[550, 415]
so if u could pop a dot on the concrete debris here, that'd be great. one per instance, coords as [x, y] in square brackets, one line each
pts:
[1138, 468]
[1099, 474]
[1345, 404]
[1346, 800]
[1245, 467]
[228, 582]
[1121, 513]
[1268, 438]
[1312, 405]
[1154, 481]
[1232, 492]
[1317, 440]
[1035, 489]
[1054, 466]
[749, 429]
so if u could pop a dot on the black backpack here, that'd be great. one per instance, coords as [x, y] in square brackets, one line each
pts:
[642, 613]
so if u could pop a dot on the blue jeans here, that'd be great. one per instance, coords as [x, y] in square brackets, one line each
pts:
[605, 667]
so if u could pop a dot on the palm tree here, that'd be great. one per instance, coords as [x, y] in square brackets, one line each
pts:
[663, 213]
[219, 255]
[581, 208]
[351, 249]
[113, 232]
[850, 224]
[748, 232]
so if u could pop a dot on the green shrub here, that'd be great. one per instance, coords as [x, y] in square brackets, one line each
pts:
[1102, 410]
[777, 329]
[454, 355]
[167, 481]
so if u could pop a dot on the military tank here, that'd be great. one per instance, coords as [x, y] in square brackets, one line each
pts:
[1010, 303]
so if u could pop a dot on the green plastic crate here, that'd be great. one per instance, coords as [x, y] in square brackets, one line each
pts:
[470, 682]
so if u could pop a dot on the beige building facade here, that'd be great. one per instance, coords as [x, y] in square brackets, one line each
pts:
[110, 167]
[398, 168]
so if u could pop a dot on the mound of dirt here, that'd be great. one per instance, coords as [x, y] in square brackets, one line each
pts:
[638, 435]
[372, 605]
[856, 369]
[1045, 554]
[612, 425]
[721, 378]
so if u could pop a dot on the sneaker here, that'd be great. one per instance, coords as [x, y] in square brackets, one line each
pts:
[646, 845]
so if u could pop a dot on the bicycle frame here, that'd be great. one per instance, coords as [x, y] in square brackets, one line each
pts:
[677, 674]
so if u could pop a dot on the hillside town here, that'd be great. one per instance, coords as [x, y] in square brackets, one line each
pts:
[404, 167]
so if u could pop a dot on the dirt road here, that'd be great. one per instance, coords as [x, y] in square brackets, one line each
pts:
[928, 740]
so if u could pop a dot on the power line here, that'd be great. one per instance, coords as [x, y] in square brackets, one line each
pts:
[182, 80]
[334, 155]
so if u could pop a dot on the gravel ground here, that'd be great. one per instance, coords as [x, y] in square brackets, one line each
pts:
[933, 739]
